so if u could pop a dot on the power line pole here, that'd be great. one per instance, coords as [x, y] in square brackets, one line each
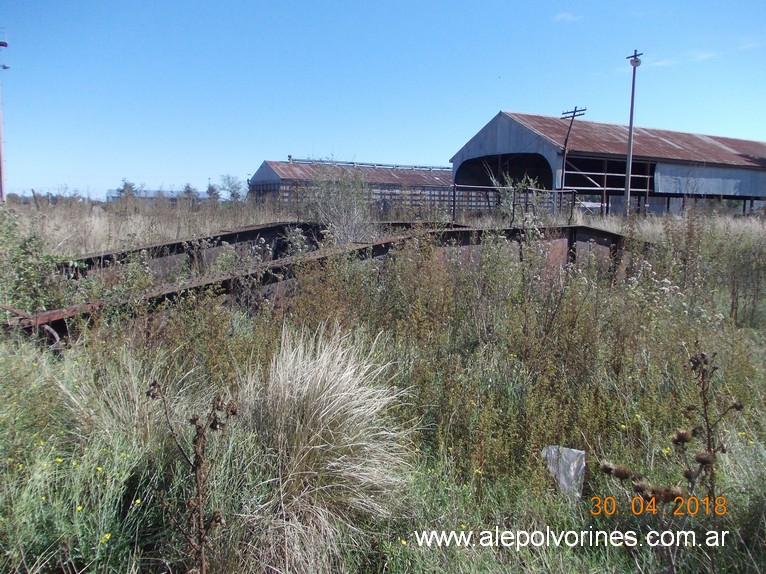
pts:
[635, 62]
[570, 115]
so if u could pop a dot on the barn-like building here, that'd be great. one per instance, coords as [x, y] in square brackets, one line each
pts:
[668, 168]
[389, 185]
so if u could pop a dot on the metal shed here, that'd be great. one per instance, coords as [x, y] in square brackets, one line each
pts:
[667, 168]
[404, 184]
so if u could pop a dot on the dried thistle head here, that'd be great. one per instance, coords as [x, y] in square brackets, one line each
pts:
[217, 424]
[698, 361]
[705, 457]
[232, 409]
[737, 406]
[656, 492]
[216, 519]
[674, 492]
[154, 391]
[620, 472]
[607, 467]
[681, 437]
[641, 484]
[664, 494]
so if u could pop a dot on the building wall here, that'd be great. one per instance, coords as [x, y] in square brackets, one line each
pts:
[678, 179]
[265, 174]
[666, 182]
[502, 135]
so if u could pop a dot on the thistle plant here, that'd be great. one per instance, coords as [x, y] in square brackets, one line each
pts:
[698, 446]
[199, 522]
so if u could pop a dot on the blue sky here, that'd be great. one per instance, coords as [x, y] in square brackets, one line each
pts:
[165, 93]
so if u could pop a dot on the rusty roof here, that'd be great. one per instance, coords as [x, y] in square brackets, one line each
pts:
[373, 174]
[612, 139]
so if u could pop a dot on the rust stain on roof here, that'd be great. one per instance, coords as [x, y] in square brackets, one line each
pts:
[372, 174]
[612, 139]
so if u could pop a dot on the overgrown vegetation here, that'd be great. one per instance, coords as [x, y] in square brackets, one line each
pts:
[390, 397]
[341, 202]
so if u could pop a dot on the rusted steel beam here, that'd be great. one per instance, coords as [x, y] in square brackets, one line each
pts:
[186, 253]
[274, 271]
[271, 232]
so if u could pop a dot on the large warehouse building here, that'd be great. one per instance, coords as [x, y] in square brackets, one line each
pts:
[668, 168]
[412, 186]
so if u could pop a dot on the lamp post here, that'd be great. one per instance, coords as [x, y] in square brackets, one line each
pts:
[3, 44]
[635, 62]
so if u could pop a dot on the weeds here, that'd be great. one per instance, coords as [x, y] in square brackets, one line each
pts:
[341, 202]
[199, 522]
[706, 415]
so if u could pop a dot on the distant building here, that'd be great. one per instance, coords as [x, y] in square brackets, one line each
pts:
[668, 169]
[401, 185]
[150, 196]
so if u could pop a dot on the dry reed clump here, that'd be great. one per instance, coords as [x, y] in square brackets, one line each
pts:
[337, 461]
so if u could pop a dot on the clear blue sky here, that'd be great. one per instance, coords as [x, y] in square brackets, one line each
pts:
[167, 92]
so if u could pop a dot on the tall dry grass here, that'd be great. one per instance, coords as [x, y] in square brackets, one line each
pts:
[337, 459]
[74, 226]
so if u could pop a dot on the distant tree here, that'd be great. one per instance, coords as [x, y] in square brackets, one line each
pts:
[190, 192]
[213, 192]
[233, 186]
[127, 189]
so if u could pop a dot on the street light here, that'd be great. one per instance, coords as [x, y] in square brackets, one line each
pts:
[635, 62]
[3, 44]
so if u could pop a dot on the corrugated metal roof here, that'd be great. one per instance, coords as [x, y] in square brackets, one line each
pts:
[381, 174]
[612, 139]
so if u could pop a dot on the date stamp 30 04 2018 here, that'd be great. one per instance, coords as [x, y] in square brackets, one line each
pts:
[682, 505]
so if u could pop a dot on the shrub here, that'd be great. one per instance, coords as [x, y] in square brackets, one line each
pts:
[341, 202]
[335, 458]
[26, 271]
